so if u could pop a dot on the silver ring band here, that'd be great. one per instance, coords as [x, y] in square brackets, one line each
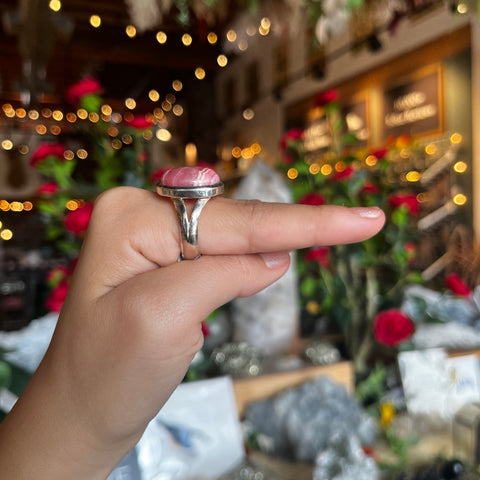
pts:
[189, 226]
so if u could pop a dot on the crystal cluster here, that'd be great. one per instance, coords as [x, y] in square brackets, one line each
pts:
[317, 422]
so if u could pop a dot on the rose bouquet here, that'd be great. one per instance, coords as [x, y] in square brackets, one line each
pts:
[356, 287]
[112, 154]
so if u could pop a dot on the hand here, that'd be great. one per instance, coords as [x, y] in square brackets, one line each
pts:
[131, 323]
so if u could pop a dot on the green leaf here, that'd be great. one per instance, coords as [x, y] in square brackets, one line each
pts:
[307, 287]
[5, 375]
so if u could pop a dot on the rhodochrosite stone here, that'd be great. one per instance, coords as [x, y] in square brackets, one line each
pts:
[190, 177]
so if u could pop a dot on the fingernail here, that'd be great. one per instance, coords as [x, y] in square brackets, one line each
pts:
[367, 212]
[275, 260]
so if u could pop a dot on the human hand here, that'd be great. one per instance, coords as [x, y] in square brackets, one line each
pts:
[131, 322]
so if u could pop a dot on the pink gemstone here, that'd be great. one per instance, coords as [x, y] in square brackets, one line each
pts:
[190, 177]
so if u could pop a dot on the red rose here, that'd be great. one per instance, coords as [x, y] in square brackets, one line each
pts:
[77, 220]
[392, 327]
[319, 254]
[139, 122]
[344, 174]
[380, 153]
[47, 150]
[205, 329]
[289, 136]
[86, 86]
[48, 188]
[328, 96]
[57, 296]
[312, 198]
[409, 200]
[456, 285]
[369, 188]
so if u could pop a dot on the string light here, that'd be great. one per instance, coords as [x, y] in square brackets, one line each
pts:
[21, 113]
[55, 5]
[153, 95]
[292, 173]
[171, 98]
[178, 110]
[430, 149]
[33, 115]
[161, 37]
[326, 169]
[82, 153]
[7, 144]
[456, 138]
[131, 31]
[222, 60]
[164, 135]
[41, 129]
[95, 21]
[212, 38]
[68, 155]
[248, 114]
[166, 105]
[177, 85]
[371, 160]
[200, 73]
[459, 199]
[187, 39]
[460, 167]
[130, 103]
[71, 117]
[6, 234]
[57, 115]
[413, 176]
[46, 113]
[231, 36]
[236, 152]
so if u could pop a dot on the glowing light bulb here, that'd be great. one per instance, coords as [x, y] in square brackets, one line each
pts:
[95, 21]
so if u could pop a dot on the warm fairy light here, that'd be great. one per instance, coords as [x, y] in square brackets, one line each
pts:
[326, 169]
[187, 39]
[263, 31]
[147, 134]
[462, 8]
[82, 114]
[23, 149]
[131, 31]
[171, 98]
[6, 234]
[41, 129]
[236, 152]
[456, 138]
[256, 148]
[55, 130]
[7, 144]
[159, 114]
[4, 205]
[55, 5]
[247, 153]
[248, 114]
[153, 95]
[71, 117]
[130, 103]
[127, 139]
[222, 60]
[200, 73]
[265, 23]
[20, 113]
[112, 131]
[72, 205]
[46, 113]
[10, 113]
[313, 307]
[178, 110]
[459, 199]
[106, 109]
[68, 155]
[405, 153]
[6, 107]
[212, 38]
[371, 160]
[164, 135]
[82, 153]
[242, 45]
[16, 206]
[314, 168]
[57, 115]
[413, 176]
[430, 149]
[340, 166]
[231, 36]
[161, 37]
[27, 206]
[190, 154]
[177, 85]
[292, 173]
[94, 117]
[460, 167]
[116, 144]
[95, 21]
[167, 106]
[33, 115]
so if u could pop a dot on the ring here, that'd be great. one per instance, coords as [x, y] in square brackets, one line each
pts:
[195, 183]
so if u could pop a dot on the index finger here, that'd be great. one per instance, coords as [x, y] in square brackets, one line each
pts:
[133, 230]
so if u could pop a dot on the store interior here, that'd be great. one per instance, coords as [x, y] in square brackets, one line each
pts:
[362, 360]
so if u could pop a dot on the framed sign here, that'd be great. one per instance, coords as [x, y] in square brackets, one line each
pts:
[356, 115]
[415, 106]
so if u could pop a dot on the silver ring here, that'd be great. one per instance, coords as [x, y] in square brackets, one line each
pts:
[182, 183]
